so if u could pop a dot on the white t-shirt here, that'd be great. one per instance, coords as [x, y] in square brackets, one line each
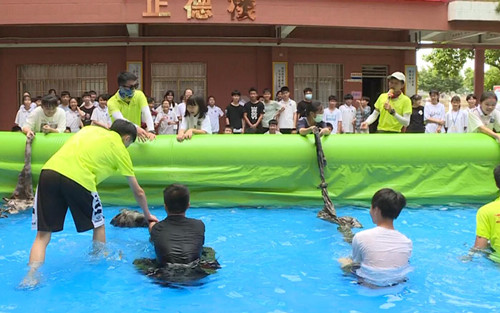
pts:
[285, 120]
[181, 110]
[163, 127]
[478, 118]
[65, 107]
[37, 119]
[22, 115]
[73, 119]
[383, 254]
[333, 117]
[348, 114]
[215, 113]
[191, 121]
[456, 122]
[435, 111]
[101, 115]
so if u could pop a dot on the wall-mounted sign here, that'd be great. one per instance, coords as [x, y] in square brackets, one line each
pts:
[199, 9]
[280, 76]
[153, 9]
[411, 80]
[242, 9]
[135, 67]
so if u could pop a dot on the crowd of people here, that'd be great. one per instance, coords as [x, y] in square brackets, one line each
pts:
[262, 114]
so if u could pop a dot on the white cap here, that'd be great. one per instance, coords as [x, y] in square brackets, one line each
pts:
[398, 75]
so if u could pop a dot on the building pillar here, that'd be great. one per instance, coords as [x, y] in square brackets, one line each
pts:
[478, 71]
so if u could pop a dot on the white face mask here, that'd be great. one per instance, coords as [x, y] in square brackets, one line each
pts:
[309, 96]
[318, 118]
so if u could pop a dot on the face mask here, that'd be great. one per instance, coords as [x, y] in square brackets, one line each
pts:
[125, 93]
[309, 96]
[318, 118]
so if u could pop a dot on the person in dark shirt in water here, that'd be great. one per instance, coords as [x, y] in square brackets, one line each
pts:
[177, 239]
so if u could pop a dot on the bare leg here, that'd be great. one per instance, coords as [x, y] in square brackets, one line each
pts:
[99, 234]
[37, 257]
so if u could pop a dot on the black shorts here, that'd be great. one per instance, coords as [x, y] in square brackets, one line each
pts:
[55, 192]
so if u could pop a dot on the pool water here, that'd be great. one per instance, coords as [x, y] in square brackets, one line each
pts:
[273, 260]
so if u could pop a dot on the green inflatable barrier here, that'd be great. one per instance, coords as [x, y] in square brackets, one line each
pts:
[282, 170]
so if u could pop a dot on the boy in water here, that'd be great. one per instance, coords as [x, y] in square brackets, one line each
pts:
[70, 178]
[382, 253]
[177, 239]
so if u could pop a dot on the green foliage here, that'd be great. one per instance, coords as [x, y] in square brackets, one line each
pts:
[469, 80]
[449, 62]
[431, 79]
[491, 78]
[492, 58]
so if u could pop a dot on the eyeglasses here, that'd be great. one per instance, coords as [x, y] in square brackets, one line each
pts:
[131, 87]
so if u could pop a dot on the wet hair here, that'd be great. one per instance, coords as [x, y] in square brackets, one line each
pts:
[307, 89]
[176, 198]
[415, 98]
[389, 202]
[104, 96]
[16, 128]
[433, 91]
[487, 95]
[329, 125]
[266, 90]
[273, 122]
[470, 96]
[200, 102]
[367, 99]
[313, 107]
[123, 127]
[49, 101]
[285, 88]
[332, 98]
[252, 89]
[496, 175]
[236, 93]
[348, 97]
[455, 99]
[124, 77]
[65, 93]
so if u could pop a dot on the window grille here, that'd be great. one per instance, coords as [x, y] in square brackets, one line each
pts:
[324, 79]
[75, 78]
[178, 77]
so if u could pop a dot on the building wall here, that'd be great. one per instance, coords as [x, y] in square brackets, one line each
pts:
[228, 68]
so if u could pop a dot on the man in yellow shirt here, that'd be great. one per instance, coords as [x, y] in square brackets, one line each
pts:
[393, 107]
[70, 178]
[488, 222]
[131, 104]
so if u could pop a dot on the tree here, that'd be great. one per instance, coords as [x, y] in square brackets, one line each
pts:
[430, 79]
[469, 80]
[491, 78]
[449, 62]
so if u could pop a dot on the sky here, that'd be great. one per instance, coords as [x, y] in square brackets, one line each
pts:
[421, 63]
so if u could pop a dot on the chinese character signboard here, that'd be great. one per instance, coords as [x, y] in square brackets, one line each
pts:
[242, 9]
[153, 9]
[411, 80]
[199, 9]
[280, 76]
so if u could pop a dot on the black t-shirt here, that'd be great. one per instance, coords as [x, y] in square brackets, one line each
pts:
[178, 239]
[254, 111]
[416, 121]
[303, 123]
[234, 114]
[88, 114]
[301, 108]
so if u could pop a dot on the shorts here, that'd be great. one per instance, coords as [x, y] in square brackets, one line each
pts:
[55, 192]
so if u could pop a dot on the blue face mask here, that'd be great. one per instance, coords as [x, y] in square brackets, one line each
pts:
[126, 93]
[309, 96]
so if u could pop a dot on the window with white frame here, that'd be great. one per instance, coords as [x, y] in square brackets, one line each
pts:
[178, 77]
[324, 79]
[75, 78]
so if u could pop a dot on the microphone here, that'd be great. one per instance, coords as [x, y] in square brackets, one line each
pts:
[390, 93]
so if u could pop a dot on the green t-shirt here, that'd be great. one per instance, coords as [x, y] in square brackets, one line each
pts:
[90, 156]
[388, 122]
[131, 111]
[488, 223]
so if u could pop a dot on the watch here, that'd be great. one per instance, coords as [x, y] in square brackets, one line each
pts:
[392, 111]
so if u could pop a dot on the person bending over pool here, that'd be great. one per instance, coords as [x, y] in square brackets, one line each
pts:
[381, 255]
[484, 118]
[195, 120]
[70, 178]
[488, 222]
[313, 121]
[177, 239]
